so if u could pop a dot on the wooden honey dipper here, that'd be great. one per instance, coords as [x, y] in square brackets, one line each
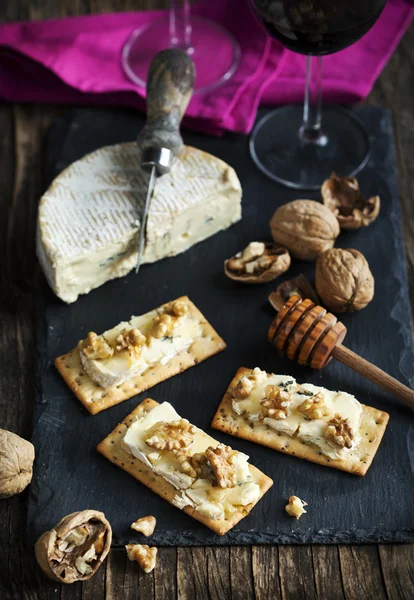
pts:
[312, 336]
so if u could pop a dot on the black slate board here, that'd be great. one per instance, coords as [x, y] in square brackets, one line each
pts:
[70, 475]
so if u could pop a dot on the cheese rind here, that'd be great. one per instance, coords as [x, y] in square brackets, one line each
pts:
[88, 219]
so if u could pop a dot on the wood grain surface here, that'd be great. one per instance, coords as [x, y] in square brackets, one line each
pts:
[295, 572]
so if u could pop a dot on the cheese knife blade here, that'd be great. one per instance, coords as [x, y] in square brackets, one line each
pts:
[170, 84]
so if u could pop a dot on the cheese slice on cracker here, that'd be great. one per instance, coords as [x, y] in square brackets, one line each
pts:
[304, 420]
[181, 463]
[106, 369]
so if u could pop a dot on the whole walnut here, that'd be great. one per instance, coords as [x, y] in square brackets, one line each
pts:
[16, 463]
[305, 227]
[343, 280]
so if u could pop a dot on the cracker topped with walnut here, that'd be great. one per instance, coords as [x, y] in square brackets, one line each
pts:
[135, 355]
[305, 420]
[209, 481]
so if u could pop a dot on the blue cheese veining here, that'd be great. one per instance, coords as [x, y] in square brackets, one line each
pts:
[212, 478]
[313, 414]
[88, 219]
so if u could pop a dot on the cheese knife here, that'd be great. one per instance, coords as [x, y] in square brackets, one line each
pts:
[170, 84]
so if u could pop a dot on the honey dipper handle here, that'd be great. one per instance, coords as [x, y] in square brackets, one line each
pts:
[374, 374]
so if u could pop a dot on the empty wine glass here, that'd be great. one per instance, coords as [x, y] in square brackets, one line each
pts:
[292, 145]
[197, 36]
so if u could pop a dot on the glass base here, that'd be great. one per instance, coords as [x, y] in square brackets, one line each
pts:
[280, 153]
[144, 43]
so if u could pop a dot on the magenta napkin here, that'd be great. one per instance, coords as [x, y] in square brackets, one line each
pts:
[77, 61]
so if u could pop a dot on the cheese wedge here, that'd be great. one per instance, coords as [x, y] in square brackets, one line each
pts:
[218, 497]
[88, 219]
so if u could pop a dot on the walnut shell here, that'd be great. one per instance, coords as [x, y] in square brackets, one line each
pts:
[305, 227]
[16, 463]
[277, 257]
[342, 196]
[58, 562]
[343, 280]
[298, 286]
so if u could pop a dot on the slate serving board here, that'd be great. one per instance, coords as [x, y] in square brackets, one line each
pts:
[70, 475]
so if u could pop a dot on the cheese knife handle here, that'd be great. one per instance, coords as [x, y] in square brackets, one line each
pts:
[170, 84]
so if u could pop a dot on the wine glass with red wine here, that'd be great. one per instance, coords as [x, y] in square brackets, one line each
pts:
[291, 144]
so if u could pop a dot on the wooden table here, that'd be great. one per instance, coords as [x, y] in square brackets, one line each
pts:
[268, 572]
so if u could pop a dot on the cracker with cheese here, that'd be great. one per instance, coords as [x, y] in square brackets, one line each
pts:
[106, 369]
[304, 420]
[181, 463]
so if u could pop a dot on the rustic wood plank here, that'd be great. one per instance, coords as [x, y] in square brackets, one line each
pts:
[297, 578]
[218, 573]
[166, 574]
[241, 573]
[327, 570]
[192, 578]
[361, 572]
[265, 567]
[397, 562]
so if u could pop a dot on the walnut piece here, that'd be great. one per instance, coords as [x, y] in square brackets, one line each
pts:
[315, 407]
[243, 388]
[295, 507]
[16, 463]
[198, 462]
[144, 525]
[170, 436]
[276, 402]
[305, 227]
[76, 547]
[223, 469]
[95, 347]
[343, 280]
[178, 308]
[339, 433]
[164, 323]
[185, 463]
[343, 197]
[258, 263]
[130, 341]
[145, 556]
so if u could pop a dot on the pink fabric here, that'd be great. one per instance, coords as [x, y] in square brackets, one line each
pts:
[77, 61]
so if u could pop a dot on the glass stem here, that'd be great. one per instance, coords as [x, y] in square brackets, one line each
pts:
[311, 129]
[180, 25]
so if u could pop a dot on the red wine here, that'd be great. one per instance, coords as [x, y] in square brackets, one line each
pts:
[317, 27]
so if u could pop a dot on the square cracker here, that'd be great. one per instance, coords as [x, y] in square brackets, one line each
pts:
[111, 448]
[358, 461]
[96, 398]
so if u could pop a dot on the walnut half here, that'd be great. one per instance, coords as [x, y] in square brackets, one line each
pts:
[314, 407]
[342, 196]
[130, 341]
[258, 263]
[170, 436]
[76, 547]
[276, 402]
[339, 433]
[95, 347]
[223, 469]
